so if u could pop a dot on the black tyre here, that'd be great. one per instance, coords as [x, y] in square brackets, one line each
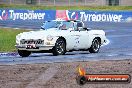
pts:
[24, 53]
[81, 80]
[95, 46]
[59, 48]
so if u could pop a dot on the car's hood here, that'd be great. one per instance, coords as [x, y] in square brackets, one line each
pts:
[41, 34]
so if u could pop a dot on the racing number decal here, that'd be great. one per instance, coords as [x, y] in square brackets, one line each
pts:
[31, 46]
[77, 40]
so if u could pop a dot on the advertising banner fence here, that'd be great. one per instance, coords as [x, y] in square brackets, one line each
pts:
[83, 15]
[27, 15]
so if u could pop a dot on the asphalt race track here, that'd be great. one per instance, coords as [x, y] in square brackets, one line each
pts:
[120, 46]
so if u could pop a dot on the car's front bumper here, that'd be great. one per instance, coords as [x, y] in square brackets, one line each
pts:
[36, 48]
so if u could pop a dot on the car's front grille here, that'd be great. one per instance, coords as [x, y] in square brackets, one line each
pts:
[31, 41]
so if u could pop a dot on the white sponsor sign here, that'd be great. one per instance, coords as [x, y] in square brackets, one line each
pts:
[30, 15]
[100, 17]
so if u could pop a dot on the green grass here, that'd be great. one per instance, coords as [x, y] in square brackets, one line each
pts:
[8, 39]
[36, 7]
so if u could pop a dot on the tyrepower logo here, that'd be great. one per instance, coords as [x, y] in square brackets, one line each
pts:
[83, 78]
[100, 17]
[20, 15]
[4, 15]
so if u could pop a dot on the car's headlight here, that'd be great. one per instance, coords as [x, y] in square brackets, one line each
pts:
[49, 38]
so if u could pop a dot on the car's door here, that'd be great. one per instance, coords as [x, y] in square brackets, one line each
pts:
[83, 40]
[78, 39]
[83, 37]
[72, 38]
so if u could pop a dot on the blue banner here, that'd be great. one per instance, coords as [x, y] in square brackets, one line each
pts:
[27, 15]
[95, 16]
[83, 15]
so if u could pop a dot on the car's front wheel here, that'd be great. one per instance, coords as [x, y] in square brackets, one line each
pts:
[59, 48]
[95, 46]
[24, 53]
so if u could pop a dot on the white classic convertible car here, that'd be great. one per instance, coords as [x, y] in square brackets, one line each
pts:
[59, 37]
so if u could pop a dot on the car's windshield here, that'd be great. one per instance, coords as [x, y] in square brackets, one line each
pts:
[66, 25]
[61, 25]
[50, 24]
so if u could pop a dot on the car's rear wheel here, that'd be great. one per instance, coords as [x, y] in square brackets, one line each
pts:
[95, 46]
[24, 53]
[59, 48]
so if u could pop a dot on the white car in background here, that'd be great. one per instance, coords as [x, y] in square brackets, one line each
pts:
[59, 37]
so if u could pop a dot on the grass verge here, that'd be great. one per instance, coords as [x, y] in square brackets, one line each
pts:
[8, 39]
[36, 7]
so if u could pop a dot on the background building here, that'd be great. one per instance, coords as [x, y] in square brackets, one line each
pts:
[71, 2]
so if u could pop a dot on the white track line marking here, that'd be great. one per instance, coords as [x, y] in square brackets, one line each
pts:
[42, 79]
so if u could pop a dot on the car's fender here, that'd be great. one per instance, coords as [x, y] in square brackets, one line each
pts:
[96, 34]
